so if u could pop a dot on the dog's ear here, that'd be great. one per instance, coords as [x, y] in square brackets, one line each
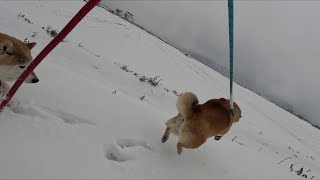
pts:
[6, 46]
[31, 45]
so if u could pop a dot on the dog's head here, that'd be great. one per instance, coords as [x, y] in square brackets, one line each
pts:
[15, 55]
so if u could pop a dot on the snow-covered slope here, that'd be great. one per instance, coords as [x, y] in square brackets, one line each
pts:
[92, 116]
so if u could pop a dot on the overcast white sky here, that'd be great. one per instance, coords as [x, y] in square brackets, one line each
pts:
[277, 43]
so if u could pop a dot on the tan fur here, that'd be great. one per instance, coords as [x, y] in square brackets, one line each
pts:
[185, 103]
[17, 54]
[198, 122]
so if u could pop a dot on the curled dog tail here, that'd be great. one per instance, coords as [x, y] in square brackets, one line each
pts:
[185, 104]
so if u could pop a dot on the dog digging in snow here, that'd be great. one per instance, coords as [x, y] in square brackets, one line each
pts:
[195, 122]
[15, 55]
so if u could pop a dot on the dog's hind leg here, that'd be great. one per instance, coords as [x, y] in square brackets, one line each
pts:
[166, 134]
[173, 125]
[179, 148]
[189, 139]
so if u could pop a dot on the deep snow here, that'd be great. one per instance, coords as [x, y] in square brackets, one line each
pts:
[85, 118]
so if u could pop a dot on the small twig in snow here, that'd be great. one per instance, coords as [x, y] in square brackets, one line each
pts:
[234, 138]
[141, 98]
[284, 160]
[291, 167]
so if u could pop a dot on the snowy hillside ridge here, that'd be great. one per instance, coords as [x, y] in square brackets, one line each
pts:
[217, 67]
[104, 95]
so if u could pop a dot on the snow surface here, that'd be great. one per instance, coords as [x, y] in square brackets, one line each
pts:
[277, 41]
[85, 118]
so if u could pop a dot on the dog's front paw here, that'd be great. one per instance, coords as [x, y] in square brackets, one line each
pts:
[13, 104]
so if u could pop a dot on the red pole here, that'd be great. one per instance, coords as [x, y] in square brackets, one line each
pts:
[65, 31]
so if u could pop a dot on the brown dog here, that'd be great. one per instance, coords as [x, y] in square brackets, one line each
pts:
[196, 122]
[15, 55]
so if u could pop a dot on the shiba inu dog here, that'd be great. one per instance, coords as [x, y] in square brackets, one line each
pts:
[15, 55]
[195, 122]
